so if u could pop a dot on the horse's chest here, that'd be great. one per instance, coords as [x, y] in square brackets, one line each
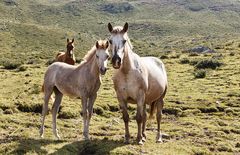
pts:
[129, 86]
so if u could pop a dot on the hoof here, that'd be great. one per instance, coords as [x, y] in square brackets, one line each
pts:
[126, 142]
[144, 139]
[86, 138]
[41, 136]
[140, 142]
[159, 141]
[56, 134]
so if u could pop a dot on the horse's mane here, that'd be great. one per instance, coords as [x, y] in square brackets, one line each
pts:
[90, 54]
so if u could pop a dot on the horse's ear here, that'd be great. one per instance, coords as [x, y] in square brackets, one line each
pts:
[110, 28]
[72, 40]
[97, 45]
[67, 40]
[125, 27]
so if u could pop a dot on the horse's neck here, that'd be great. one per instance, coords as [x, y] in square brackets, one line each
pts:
[128, 60]
[90, 66]
[69, 54]
[94, 67]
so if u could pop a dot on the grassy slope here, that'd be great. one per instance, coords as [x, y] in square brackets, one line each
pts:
[207, 118]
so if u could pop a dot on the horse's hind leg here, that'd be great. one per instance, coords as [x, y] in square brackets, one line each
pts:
[159, 117]
[55, 108]
[144, 123]
[47, 95]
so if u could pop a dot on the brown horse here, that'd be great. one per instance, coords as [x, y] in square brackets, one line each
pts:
[80, 81]
[68, 56]
[138, 80]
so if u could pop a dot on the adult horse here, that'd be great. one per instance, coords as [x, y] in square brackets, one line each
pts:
[139, 80]
[68, 56]
[81, 81]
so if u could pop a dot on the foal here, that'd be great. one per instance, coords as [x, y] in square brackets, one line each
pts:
[139, 80]
[68, 56]
[80, 81]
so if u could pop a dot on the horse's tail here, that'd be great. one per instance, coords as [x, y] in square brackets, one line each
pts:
[43, 88]
[152, 109]
[153, 106]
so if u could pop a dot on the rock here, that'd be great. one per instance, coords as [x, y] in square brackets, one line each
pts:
[201, 49]
[8, 111]
[115, 8]
[165, 136]
[10, 2]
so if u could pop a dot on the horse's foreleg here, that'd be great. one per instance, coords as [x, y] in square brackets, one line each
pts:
[47, 95]
[85, 117]
[90, 109]
[123, 106]
[55, 108]
[159, 117]
[139, 117]
[144, 123]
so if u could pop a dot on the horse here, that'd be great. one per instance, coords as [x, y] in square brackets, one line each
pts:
[68, 56]
[81, 81]
[137, 80]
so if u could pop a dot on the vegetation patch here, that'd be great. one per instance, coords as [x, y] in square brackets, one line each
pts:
[115, 8]
[184, 61]
[208, 109]
[11, 64]
[24, 107]
[199, 73]
[68, 114]
[172, 111]
[210, 63]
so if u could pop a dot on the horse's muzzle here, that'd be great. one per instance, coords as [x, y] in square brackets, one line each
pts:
[116, 62]
[103, 70]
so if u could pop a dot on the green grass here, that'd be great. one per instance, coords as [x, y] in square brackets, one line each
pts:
[201, 115]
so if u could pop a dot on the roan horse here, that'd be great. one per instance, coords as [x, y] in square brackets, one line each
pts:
[68, 56]
[139, 80]
[81, 81]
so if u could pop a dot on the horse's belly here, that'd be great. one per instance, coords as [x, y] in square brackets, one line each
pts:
[154, 92]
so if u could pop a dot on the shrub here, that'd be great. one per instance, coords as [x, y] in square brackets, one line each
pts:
[50, 61]
[9, 64]
[210, 63]
[164, 57]
[98, 110]
[201, 73]
[184, 61]
[24, 107]
[68, 114]
[22, 68]
[173, 111]
[208, 109]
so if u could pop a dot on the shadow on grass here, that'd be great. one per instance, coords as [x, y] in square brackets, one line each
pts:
[92, 147]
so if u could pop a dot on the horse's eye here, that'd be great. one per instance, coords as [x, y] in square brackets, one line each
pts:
[110, 41]
[97, 56]
[124, 41]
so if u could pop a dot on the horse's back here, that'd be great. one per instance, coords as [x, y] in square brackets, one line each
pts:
[58, 69]
[155, 67]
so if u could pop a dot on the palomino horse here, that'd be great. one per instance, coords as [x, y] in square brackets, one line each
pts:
[81, 81]
[68, 56]
[139, 80]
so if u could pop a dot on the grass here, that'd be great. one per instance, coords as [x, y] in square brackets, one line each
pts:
[200, 114]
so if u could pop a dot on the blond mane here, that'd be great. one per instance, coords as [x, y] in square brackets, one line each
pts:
[90, 54]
